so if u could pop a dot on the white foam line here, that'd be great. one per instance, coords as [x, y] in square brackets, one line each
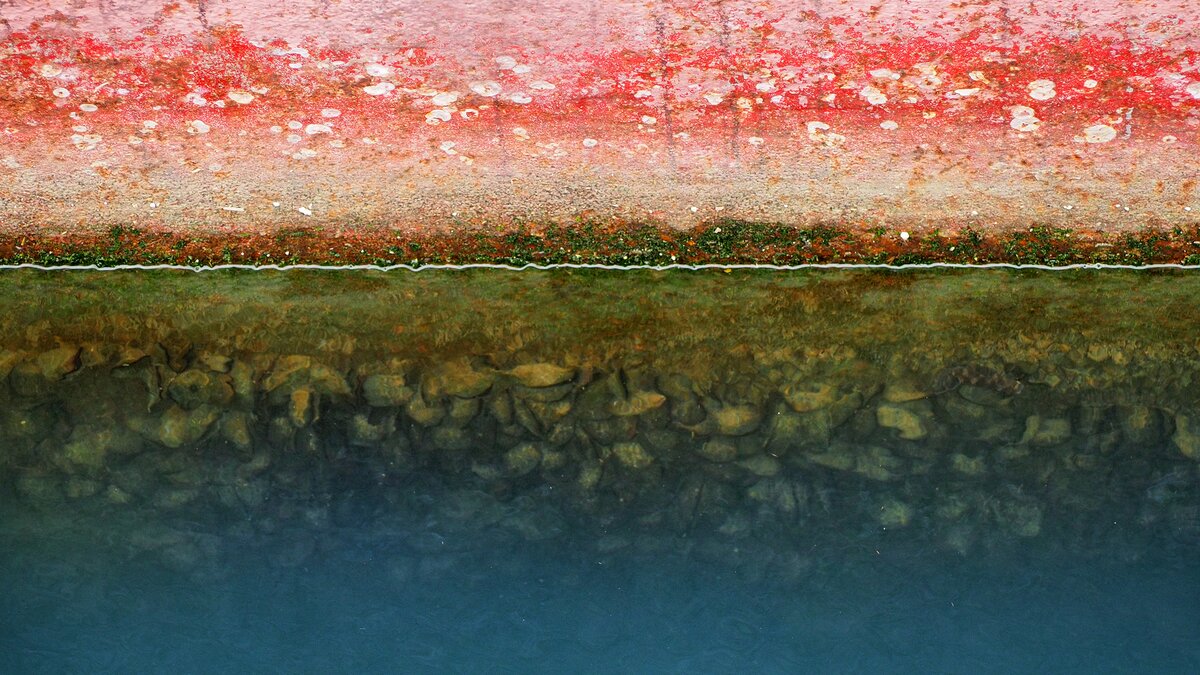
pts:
[588, 266]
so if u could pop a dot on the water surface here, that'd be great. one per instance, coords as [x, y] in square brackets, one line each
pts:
[599, 472]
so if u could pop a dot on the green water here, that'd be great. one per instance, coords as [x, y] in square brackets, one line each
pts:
[591, 471]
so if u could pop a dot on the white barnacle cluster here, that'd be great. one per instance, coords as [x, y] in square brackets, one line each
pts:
[521, 96]
[820, 132]
[82, 140]
[438, 115]
[324, 127]
[924, 78]
[381, 87]
[873, 95]
[1041, 90]
[1097, 133]
[446, 102]
[486, 88]
[1024, 119]
[378, 70]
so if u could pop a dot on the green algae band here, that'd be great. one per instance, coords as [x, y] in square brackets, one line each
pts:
[745, 418]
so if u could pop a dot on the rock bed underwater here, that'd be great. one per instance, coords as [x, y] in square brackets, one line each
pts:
[769, 425]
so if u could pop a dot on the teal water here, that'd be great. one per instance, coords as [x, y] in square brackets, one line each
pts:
[552, 472]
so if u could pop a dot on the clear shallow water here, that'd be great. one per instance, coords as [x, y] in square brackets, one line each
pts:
[957, 472]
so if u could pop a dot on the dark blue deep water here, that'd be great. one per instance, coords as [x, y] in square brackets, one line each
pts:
[492, 473]
[1030, 613]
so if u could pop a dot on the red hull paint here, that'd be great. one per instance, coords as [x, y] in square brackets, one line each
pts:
[222, 115]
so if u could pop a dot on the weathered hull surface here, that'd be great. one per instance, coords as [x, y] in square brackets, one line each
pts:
[249, 116]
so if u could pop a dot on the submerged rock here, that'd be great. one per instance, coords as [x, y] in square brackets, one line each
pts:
[173, 498]
[423, 413]
[522, 459]
[536, 522]
[780, 494]
[115, 495]
[612, 430]
[839, 456]
[811, 396]
[761, 465]
[468, 510]
[382, 391]
[536, 375]
[719, 450]
[964, 413]
[894, 513]
[632, 455]
[637, 403]
[907, 423]
[785, 430]
[952, 507]
[871, 461]
[959, 539]
[1187, 438]
[547, 394]
[235, 428]
[688, 413]
[737, 420]
[1021, 517]
[57, 363]
[175, 427]
[302, 407]
[89, 446]
[241, 378]
[462, 410]
[9, 359]
[194, 388]
[39, 488]
[967, 465]
[363, 433]
[589, 477]
[451, 438]
[903, 391]
[877, 463]
[217, 363]
[295, 371]
[27, 380]
[458, 378]
[676, 386]
[1042, 431]
[1141, 424]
